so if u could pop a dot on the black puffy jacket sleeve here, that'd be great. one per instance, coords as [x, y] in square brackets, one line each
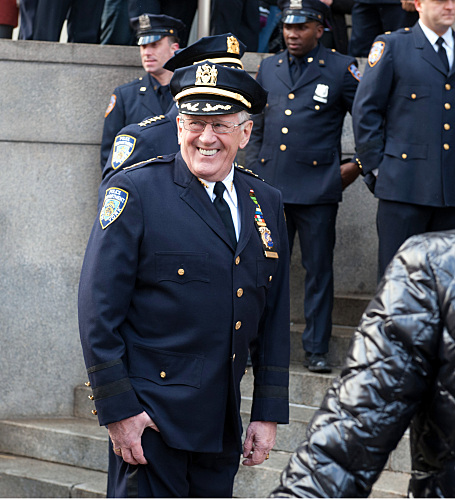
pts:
[389, 370]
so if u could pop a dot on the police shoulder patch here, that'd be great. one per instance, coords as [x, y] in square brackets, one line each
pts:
[111, 105]
[114, 203]
[122, 149]
[376, 52]
[354, 70]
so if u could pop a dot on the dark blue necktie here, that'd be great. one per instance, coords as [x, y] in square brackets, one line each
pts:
[442, 53]
[224, 211]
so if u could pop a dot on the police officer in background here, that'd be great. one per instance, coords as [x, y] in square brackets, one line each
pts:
[157, 135]
[295, 145]
[404, 127]
[186, 268]
[148, 95]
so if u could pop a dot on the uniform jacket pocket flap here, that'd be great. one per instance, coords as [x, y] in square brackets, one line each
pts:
[167, 368]
[406, 151]
[414, 92]
[182, 267]
[266, 269]
[315, 157]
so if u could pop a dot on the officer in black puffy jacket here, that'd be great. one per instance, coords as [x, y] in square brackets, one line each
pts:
[400, 370]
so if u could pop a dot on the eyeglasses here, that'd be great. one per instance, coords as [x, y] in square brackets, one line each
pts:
[198, 126]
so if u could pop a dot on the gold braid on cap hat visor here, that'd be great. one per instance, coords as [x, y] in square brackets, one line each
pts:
[223, 60]
[210, 90]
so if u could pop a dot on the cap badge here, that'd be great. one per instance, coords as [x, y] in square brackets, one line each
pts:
[296, 4]
[233, 46]
[144, 22]
[206, 75]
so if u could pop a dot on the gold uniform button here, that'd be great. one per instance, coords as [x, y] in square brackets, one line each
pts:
[288, 112]
[404, 155]
[291, 96]
[246, 370]
[446, 147]
[284, 130]
[240, 292]
[238, 325]
[162, 374]
[262, 160]
[315, 163]
[446, 126]
[270, 278]
[88, 383]
[448, 86]
[447, 105]
[233, 358]
[91, 397]
[283, 147]
[142, 89]
[413, 96]
[94, 412]
[180, 272]
[317, 107]
[237, 260]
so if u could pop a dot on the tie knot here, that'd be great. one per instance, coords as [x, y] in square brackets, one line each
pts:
[219, 189]
[439, 42]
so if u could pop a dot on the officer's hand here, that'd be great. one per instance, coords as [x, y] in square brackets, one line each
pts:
[259, 441]
[349, 172]
[126, 437]
[408, 5]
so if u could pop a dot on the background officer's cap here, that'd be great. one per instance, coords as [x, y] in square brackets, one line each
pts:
[208, 89]
[303, 11]
[223, 49]
[151, 28]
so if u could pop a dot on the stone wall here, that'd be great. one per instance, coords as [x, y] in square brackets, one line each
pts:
[52, 102]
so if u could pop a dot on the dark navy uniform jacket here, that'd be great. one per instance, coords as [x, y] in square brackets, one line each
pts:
[130, 103]
[154, 136]
[404, 120]
[168, 308]
[295, 143]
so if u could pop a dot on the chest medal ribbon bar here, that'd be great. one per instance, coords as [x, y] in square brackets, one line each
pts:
[263, 230]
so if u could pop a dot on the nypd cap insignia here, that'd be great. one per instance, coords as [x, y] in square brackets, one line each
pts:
[150, 28]
[122, 149]
[223, 49]
[114, 203]
[212, 89]
[375, 53]
[303, 11]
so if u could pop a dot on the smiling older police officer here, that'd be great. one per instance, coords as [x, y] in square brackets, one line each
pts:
[186, 268]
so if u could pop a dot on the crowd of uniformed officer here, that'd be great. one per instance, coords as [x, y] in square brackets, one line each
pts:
[295, 143]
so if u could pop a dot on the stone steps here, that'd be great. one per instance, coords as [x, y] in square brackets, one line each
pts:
[68, 457]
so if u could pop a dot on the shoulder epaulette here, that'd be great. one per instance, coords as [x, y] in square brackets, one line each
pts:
[148, 121]
[143, 163]
[248, 172]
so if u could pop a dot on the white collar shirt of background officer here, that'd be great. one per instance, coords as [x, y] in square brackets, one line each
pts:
[433, 37]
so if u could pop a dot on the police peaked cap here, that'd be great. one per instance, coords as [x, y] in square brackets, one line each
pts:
[150, 28]
[303, 11]
[223, 49]
[209, 89]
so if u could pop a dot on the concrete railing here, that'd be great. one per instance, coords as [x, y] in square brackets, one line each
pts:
[52, 102]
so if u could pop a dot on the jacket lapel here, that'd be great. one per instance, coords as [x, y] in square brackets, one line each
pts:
[247, 209]
[312, 71]
[282, 70]
[194, 195]
[428, 52]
